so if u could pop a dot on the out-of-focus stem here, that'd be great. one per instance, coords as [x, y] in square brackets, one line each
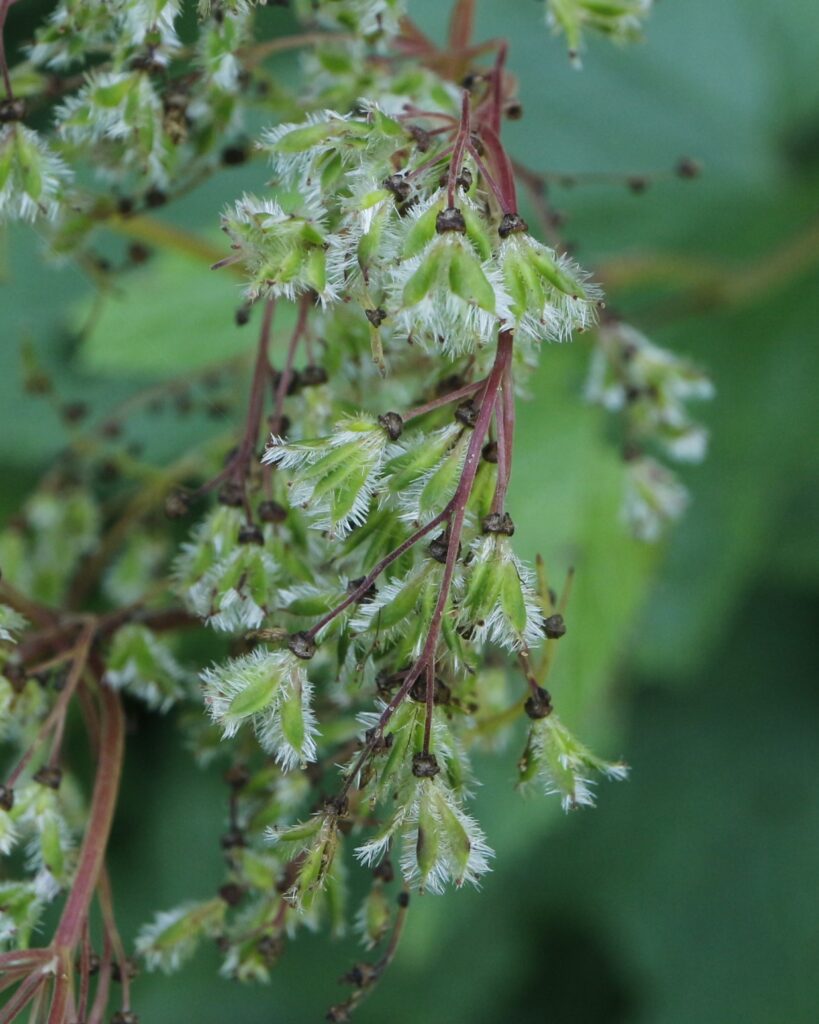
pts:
[92, 853]
[505, 422]
[287, 369]
[455, 512]
[56, 718]
[461, 141]
[23, 996]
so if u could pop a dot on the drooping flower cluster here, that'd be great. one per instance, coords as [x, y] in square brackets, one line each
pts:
[649, 388]
[366, 18]
[129, 101]
[563, 764]
[358, 575]
[367, 220]
[42, 551]
[406, 571]
[620, 20]
[439, 842]
[143, 664]
[272, 691]
[228, 573]
[337, 475]
[32, 177]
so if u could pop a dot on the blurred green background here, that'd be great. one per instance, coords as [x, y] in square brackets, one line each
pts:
[690, 894]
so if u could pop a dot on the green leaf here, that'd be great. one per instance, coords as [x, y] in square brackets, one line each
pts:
[136, 331]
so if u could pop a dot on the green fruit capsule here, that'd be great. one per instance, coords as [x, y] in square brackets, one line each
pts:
[477, 234]
[312, 605]
[254, 698]
[113, 94]
[402, 470]
[347, 494]
[376, 915]
[482, 591]
[298, 140]
[515, 281]
[297, 833]
[422, 232]
[292, 718]
[554, 275]
[51, 848]
[468, 281]
[30, 173]
[512, 600]
[422, 280]
[402, 605]
[315, 269]
[456, 837]
[528, 764]
[427, 844]
[440, 486]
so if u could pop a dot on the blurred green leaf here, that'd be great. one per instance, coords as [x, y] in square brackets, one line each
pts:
[173, 314]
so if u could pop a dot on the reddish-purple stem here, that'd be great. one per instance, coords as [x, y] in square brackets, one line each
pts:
[106, 903]
[256, 404]
[287, 369]
[411, 111]
[103, 803]
[56, 717]
[103, 983]
[85, 972]
[505, 422]
[22, 959]
[448, 399]
[4, 67]
[237, 467]
[92, 852]
[501, 169]
[500, 430]
[368, 581]
[9, 979]
[486, 174]
[23, 996]
[461, 141]
[431, 162]
[455, 511]
[430, 704]
[461, 499]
